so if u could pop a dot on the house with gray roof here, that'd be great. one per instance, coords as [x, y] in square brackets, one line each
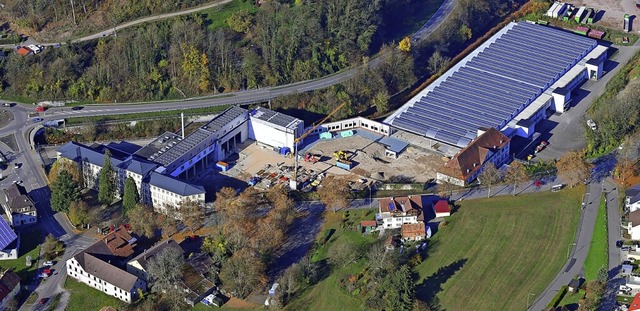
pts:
[632, 198]
[101, 266]
[19, 207]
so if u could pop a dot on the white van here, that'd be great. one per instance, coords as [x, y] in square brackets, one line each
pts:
[556, 188]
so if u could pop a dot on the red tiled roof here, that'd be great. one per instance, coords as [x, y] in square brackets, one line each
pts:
[23, 51]
[411, 202]
[8, 281]
[635, 304]
[471, 158]
[442, 206]
[413, 230]
[368, 223]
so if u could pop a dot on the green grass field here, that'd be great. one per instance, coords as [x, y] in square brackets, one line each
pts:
[29, 246]
[84, 297]
[175, 114]
[598, 255]
[494, 252]
[217, 16]
[326, 295]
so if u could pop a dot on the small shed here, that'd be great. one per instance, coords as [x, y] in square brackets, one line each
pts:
[326, 135]
[23, 51]
[574, 286]
[442, 208]
[368, 225]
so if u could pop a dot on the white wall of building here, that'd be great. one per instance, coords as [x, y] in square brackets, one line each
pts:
[355, 123]
[272, 135]
[394, 222]
[161, 199]
[75, 271]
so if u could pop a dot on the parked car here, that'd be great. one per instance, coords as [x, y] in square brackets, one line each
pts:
[592, 125]
[538, 183]
[619, 243]
[43, 301]
[17, 164]
[36, 120]
[48, 263]
[77, 108]
[6, 104]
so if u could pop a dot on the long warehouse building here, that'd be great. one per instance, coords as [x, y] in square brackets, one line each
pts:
[519, 76]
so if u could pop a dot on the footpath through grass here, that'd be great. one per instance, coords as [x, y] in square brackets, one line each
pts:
[494, 252]
[598, 255]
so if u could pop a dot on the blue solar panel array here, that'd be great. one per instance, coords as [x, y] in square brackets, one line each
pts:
[6, 234]
[495, 85]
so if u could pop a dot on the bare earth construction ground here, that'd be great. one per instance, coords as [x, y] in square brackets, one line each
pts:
[614, 11]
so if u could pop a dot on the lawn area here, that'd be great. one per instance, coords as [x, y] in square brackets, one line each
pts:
[326, 295]
[571, 299]
[84, 297]
[29, 245]
[217, 16]
[175, 114]
[494, 252]
[598, 255]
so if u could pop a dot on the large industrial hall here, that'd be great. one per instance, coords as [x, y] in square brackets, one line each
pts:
[522, 74]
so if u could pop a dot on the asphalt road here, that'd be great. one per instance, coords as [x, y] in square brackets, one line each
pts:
[438, 17]
[567, 130]
[112, 31]
[614, 230]
[578, 250]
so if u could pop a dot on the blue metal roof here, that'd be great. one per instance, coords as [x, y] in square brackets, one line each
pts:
[139, 167]
[394, 144]
[7, 236]
[492, 87]
[77, 152]
[174, 185]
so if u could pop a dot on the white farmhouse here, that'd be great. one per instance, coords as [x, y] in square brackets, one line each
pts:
[396, 211]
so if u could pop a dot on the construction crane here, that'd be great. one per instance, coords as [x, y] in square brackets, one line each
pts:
[293, 183]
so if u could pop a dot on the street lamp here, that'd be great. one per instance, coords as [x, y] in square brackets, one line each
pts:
[370, 200]
[528, 295]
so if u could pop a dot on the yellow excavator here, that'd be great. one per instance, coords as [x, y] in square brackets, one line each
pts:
[341, 155]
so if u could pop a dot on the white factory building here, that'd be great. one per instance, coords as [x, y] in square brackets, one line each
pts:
[519, 76]
[162, 169]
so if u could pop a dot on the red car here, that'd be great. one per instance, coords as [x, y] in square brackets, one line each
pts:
[46, 271]
[43, 301]
[538, 183]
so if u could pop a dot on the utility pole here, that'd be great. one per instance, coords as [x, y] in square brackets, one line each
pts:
[73, 12]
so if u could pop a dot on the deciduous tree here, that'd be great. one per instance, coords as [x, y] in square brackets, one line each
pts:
[489, 176]
[52, 247]
[64, 191]
[192, 214]
[572, 168]
[130, 197]
[79, 213]
[240, 21]
[334, 193]
[107, 181]
[142, 219]
[165, 269]
[405, 44]
[437, 62]
[242, 273]
[516, 174]
[65, 165]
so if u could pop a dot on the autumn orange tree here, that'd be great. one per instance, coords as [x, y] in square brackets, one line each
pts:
[65, 165]
[572, 168]
[516, 174]
[334, 193]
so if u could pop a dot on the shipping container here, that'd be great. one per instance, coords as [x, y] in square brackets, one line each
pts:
[591, 13]
[344, 164]
[326, 135]
[627, 23]
[561, 10]
[596, 34]
[580, 14]
[553, 8]
[581, 30]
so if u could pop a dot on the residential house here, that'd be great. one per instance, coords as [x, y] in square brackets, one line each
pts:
[9, 242]
[633, 282]
[19, 207]
[9, 287]
[632, 198]
[491, 146]
[368, 225]
[139, 265]
[633, 225]
[101, 266]
[442, 209]
[635, 304]
[413, 232]
[395, 211]
[626, 269]
[168, 192]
